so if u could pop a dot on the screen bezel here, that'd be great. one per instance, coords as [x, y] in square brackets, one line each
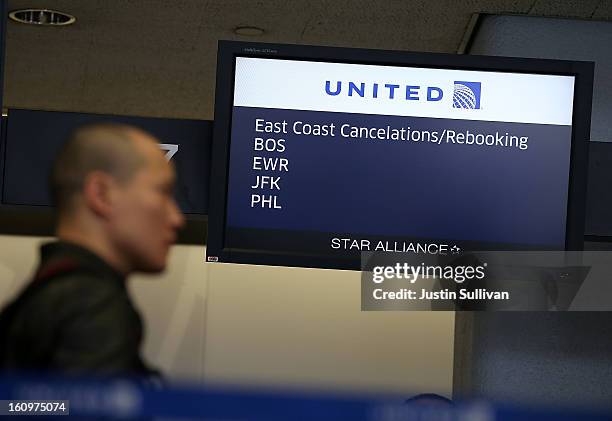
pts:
[229, 50]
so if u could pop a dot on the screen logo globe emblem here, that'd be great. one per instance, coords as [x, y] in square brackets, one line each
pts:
[466, 95]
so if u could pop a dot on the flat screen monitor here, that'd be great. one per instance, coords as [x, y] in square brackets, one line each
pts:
[320, 154]
[32, 139]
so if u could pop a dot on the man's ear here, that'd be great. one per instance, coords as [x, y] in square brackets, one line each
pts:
[99, 192]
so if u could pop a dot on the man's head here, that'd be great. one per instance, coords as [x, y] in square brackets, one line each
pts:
[113, 189]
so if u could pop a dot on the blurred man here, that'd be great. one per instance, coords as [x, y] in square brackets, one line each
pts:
[113, 190]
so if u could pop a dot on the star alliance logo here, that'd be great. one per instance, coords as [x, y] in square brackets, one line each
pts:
[466, 95]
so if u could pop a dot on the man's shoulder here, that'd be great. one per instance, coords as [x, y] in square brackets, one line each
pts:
[72, 319]
[70, 269]
[82, 283]
[72, 293]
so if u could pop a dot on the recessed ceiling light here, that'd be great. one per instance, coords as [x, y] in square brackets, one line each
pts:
[249, 31]
[44, 17]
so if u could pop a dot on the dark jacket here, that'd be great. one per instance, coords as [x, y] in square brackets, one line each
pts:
[75, 317]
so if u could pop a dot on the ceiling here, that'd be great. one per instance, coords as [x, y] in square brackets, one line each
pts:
[157, 57]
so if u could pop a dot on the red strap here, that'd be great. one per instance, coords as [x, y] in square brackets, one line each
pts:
[56, 268]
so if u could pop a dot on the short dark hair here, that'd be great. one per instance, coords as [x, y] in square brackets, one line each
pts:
[106, 147]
